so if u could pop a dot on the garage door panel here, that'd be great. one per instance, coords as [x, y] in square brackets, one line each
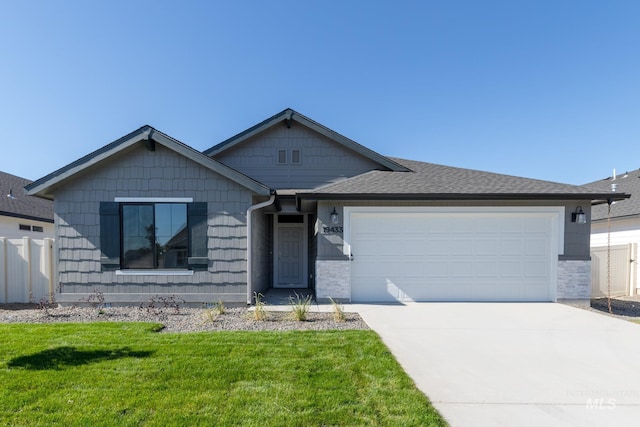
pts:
[437, 247]
[414, 247]
[510, 226]
[511, 269]
[487, 247]
[413, 269]
[510, 247]
[458, 257]
[536, 225]
[488, 225]
[377, 268]
[461, 268]
[485, 269]
[536, 269]
[536, 246]
[458, 246]
[437, 269]
[373, 247]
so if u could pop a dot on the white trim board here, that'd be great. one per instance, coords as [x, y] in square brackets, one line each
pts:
[154, 199]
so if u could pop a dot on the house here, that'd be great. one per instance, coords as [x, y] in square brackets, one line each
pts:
[22, 215]
[289, 203]
[615, 237]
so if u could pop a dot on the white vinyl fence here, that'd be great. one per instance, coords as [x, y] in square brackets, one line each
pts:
[26, 270]
[614, 267]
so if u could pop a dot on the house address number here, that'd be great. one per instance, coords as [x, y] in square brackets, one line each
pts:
[329, 230]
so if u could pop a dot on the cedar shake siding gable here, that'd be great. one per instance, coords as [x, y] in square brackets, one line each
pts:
[87, 226]
[270, 157]
[149, 138]
[291, 151]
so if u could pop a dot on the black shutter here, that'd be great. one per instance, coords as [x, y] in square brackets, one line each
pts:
[197, 220]
[110, 235]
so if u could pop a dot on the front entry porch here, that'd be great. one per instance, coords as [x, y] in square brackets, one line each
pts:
[282, 253]
[283, 297]
[290, 249]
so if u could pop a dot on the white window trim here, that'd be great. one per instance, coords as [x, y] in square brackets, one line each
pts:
[154, 199]
[154, 272]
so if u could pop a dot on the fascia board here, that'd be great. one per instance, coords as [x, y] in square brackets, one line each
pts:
[444, 196]
[212, 164]
[40, 187]
[66, 172]
[348, 143]
[243, 136]
[297, 117]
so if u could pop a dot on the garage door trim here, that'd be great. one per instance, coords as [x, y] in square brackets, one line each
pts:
[553, 215]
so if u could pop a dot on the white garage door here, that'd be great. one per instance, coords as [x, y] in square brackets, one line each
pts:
[453, 256]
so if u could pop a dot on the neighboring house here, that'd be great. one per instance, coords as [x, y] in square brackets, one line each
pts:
[621, 234]
[290, 203]
[22, 215]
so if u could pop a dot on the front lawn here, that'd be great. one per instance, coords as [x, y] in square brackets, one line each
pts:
[123, 374]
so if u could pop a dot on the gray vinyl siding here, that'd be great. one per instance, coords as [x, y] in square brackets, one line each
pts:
[576, 236]
[262, 251]
[143, 173]
[322, 161]
[312, 249]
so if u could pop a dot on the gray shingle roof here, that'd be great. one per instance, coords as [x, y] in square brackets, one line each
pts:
[428, 180]
[628, 182]
[20, 205]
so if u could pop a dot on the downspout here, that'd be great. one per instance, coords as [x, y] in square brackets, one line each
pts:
[250, 243]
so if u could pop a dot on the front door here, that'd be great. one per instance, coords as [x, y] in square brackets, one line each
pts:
[291, 252]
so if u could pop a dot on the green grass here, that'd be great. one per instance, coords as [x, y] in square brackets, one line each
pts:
[126, 374]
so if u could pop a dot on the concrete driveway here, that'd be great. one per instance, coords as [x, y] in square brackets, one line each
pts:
[516, 364]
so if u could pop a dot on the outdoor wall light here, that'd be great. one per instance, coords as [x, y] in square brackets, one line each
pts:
[579, 216]
[334, 216]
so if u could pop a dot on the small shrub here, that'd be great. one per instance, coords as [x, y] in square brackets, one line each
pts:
[95, 300]
[300, 307]
[219, 307]
[338, 311]
[44, 305]
[259, 313]
[211, 314]
[158, 304]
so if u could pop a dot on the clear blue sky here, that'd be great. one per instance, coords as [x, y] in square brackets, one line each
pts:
[541, 89]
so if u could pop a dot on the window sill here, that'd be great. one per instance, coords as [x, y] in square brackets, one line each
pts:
[154, 272]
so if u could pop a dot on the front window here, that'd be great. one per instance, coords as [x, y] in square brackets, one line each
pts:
[154, 236]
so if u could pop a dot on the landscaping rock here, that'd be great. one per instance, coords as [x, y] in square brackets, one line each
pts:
[185, 319]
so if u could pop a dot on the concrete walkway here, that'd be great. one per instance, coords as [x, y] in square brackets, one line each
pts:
[516, 364]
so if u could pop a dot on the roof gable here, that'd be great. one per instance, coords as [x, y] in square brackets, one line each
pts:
[289, 115]
[149, 137]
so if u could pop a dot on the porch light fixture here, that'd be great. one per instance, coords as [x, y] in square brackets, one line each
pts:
[334, 216]
[579, 216]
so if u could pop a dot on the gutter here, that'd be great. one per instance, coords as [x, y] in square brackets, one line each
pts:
[449, 196]
[250, 211]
